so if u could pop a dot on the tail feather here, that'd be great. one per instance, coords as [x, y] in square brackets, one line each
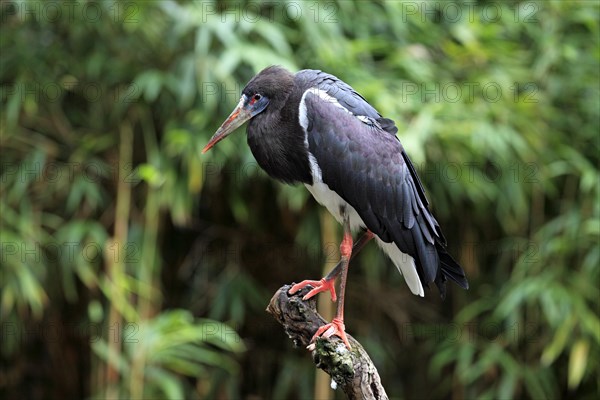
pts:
[449, 268]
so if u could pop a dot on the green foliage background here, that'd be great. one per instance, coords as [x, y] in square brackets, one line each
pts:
[133, 266]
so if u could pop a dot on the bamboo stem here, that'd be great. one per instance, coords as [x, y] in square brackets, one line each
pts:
[114, 261]
[324, 304]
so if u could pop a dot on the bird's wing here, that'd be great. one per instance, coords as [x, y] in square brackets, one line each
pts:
[369, 169]
[350, 99]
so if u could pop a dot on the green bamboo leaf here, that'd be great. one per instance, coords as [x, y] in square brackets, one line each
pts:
[507, 385]
[170, 385]
[578, 360]
[109, 355]
[559, 341]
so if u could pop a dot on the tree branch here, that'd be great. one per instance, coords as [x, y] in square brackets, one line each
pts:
[352, 370]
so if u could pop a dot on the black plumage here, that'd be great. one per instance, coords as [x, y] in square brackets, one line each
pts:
[315, 126]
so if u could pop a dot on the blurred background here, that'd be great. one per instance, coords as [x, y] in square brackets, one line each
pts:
[132, 266]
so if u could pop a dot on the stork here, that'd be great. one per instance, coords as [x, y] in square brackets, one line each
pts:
[312, 128]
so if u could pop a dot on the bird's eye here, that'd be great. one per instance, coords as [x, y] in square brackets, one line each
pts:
[256, 97]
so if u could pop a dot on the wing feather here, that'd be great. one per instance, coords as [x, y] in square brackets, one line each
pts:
[369, 169]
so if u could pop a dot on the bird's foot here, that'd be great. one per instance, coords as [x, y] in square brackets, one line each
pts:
[335, 327]
[318, 287]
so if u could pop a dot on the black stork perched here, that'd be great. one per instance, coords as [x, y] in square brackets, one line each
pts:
[311, 127]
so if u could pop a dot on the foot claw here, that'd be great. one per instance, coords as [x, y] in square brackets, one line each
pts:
[318, 287]
[335, 327]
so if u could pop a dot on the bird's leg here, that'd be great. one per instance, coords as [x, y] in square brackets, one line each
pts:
[328, 282]
[336, 326]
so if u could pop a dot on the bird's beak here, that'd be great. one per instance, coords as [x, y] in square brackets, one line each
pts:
[238, 116]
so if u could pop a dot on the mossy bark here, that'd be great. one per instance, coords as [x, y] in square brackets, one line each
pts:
[352, 370]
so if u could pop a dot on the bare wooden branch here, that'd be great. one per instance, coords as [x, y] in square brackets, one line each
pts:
[352, 369]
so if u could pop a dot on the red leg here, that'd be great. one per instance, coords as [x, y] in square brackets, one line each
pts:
[336, 326]
[328, 283]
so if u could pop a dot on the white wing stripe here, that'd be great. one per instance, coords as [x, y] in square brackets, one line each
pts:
[332, 201]
[330, 99]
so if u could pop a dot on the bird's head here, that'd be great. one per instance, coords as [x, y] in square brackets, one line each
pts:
[271, 86]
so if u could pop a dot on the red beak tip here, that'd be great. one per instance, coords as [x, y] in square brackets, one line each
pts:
[207, 148]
